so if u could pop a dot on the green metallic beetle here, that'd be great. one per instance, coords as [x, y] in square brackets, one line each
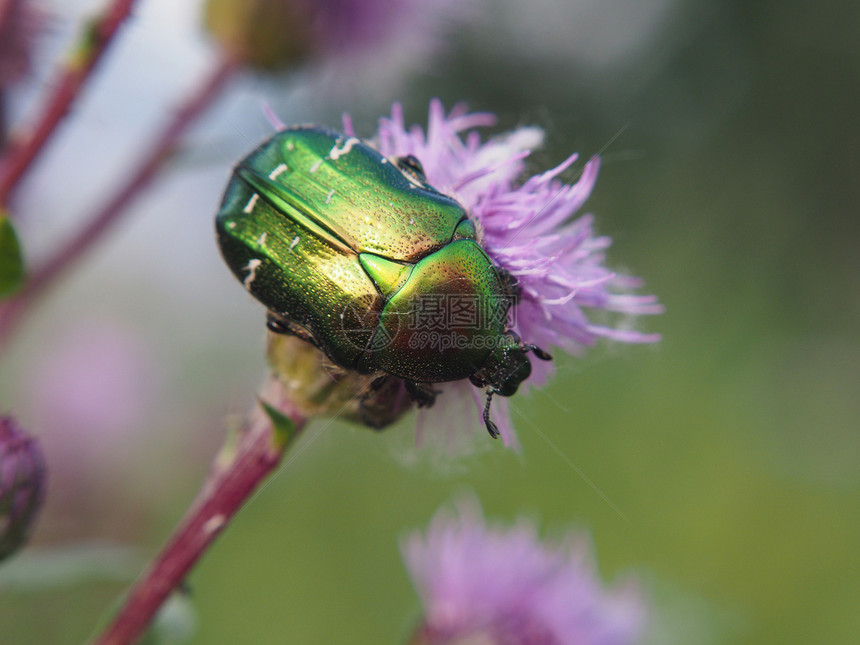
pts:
[359, 255]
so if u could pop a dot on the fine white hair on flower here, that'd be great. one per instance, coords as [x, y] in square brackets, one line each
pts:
[504, 584]
[530, 227]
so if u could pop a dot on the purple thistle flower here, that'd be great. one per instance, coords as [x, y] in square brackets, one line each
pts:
[528, 228]
[19, 24]
[502, 586]
[22, 485]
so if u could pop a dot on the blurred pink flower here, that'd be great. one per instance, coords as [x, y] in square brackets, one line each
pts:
[347, 27]
[274, 34]
[503, 586]
[92, 390]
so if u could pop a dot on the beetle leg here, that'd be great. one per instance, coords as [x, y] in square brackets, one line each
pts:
[410, 164]
[492, 428]
[537, 351]
[377, 383]
[511, 284]
[423, 394]
[278, 325]
[369, 416]
[383, 402]
[477, 381]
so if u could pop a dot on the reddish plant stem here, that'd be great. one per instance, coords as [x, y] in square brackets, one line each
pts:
[2, 120]
[9, 9]
[7, 14]
[75, 71]
[224, 493]
[6, 8]
[143, 174]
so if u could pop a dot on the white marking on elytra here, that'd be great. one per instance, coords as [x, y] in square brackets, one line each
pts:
[316, 165]
[384, 160]
[294, 242]
[251, 203]
[231, 225]
[280, 169]
[411, 221]
[330, 195]
[347, 146]
[251, 268]
[291, 146]
[262, 239]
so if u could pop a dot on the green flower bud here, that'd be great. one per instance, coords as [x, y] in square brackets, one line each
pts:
[22, 485]
[261, 33]
[304, 376]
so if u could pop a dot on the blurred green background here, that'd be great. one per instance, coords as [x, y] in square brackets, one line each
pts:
[721, 467]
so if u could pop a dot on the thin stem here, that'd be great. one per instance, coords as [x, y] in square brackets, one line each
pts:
[224, 493]
[7, 12]
[143, 174]
[78, 67]
[2, 118]
[6, 7]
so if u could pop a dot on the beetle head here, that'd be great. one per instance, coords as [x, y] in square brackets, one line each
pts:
[508, 365]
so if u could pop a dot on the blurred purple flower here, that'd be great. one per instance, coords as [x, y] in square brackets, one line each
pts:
[347, 27]
[528, 228]
[276, 33]
[19, 25]
[22, 485]
[92, 390]
[502, 586]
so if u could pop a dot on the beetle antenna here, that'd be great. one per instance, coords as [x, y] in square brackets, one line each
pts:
[541, 354]
[524, 347]
[492, 428]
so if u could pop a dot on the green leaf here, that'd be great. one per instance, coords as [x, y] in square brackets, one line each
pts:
[283, 428]
[71, 566]
[11, 262]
